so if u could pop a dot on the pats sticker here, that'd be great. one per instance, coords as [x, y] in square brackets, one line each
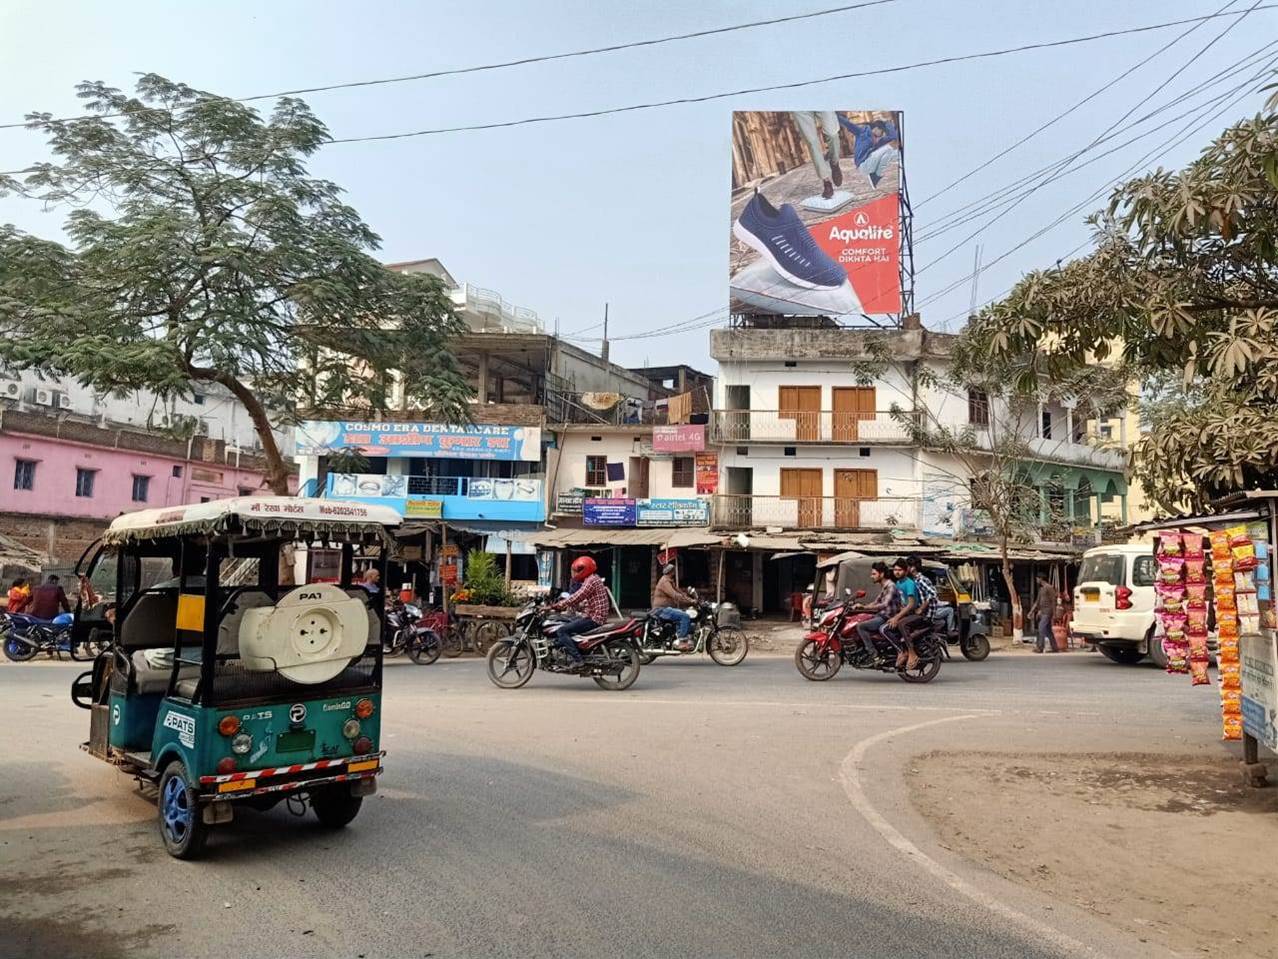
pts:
[185, 726]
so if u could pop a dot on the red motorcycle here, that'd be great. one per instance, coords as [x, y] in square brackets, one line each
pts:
[833, 640]
[610, 653]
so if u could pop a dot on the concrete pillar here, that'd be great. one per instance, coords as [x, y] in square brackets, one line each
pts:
[1069, 424]
[1042, 504]
[756, 577]
[481, 379]
[1122, 506]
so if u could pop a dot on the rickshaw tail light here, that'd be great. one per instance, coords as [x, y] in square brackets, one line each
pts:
[363, 745]
[228, 725]
[364, 708]
[226, 765]
[350, 728]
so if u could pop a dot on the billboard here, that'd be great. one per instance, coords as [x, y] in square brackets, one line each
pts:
[441, 440]
[816, 208]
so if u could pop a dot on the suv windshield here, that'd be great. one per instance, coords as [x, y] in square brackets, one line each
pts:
[1103, 568]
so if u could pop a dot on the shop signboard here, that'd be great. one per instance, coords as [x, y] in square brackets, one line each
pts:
[672, 512]
[1260, 689]
[424, 508]
[608, 512]
[368, 484]
[569, 502]
[438, 440]
[707, 470]
[942, 504]
[514, 490]
[687, 438]
[827, 182]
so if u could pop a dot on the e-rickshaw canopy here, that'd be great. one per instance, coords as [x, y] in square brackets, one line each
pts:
[266, 515]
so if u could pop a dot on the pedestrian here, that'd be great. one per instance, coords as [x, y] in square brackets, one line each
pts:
[1044, 610]
[825, 158]
[47, 600]
[19, 595]
[666, 600]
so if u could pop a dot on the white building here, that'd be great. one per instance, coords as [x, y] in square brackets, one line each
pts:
[807, 443]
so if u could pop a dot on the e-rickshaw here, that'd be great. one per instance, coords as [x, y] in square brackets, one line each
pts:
[226, 685]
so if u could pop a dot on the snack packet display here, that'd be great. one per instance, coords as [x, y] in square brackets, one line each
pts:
[1171, 570]
[1237, 535]
[1196, 570]
[1219, 544]
[1230, 676]
[1198, 672]
[1231, 702]
[1228, 649]
[1269, 618]
[1196, 595]
[1232, 728]
[1222, 572]
[1256, 532]
[1171, 599]
[1248, 605]
[1174, 626]
[1248, 625]
[1170, 542]
[1177, 656]
[1198, 646]
[1244, 556]
[1196, 621]
[1191, 546]
[1245, 581]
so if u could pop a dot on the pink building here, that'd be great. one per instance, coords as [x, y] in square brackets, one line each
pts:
[62, 481]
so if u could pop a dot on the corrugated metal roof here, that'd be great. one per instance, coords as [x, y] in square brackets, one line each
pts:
[562, 538]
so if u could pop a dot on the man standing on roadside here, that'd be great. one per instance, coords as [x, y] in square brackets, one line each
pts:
[1044, 611]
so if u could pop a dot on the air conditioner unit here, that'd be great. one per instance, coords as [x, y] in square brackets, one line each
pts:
[10, 390]
[64, 401]
[44, 397]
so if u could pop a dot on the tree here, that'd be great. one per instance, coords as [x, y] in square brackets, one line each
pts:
[1181, 292]
[986, 455]
[200, 251]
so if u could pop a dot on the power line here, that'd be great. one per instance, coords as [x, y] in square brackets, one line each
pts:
[960, 58]
[502, 65]
[1061, 116]
[962, 214]
[1055, 176]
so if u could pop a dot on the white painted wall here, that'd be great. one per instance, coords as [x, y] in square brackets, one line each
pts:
[224, 416]
[766, 377]
[617, 447]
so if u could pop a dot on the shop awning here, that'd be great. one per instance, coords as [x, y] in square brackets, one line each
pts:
[662, 536]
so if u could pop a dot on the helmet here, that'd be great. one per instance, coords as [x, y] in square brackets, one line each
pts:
[582, 567]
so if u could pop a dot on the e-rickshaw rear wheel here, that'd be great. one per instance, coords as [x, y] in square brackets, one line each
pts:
[181, 823]
[334, 806]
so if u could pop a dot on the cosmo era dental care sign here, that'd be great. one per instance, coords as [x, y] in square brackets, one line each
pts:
[438, 440]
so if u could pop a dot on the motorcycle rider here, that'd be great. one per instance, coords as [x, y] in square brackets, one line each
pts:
[907, 591]
[591, 596]
[666, 600]
[881, 607]
[922, 618]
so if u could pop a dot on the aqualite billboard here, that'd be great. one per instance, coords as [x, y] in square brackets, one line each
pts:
[816, 210]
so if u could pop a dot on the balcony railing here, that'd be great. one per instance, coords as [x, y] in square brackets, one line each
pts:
[746, 511]
[1080, 453]
[815, 426]
[491, 313]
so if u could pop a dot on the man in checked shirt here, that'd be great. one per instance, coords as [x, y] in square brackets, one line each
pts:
[591, 599]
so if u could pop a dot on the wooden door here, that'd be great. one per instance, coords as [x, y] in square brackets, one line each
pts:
[803, 405]
[804, 485]
[851, 487]
[851, 405]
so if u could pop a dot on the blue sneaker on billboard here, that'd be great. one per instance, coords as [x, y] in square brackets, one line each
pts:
[782, 239]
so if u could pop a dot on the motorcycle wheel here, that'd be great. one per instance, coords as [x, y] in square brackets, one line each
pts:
[815, 664]
[510, 663]
[451, 644]
[975, 648]
[929, 665]
[729, 646]
[629, 655]
[424, 648]
[19, 650]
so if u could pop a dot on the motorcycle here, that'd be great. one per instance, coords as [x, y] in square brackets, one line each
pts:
[727, 645]
[833, 641]
[405, 632]
[24, 637]
[610, 653]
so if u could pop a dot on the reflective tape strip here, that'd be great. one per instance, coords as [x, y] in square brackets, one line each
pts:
[287, 770]
[300, 784]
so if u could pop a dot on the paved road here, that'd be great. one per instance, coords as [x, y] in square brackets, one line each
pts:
[707, 811]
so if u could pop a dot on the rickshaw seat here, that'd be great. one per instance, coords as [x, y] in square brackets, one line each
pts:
[150, 679]
[151, 622]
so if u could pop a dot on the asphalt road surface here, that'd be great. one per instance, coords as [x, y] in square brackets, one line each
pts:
[707, 811]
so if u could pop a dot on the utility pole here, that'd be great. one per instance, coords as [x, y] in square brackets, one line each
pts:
[604, 352]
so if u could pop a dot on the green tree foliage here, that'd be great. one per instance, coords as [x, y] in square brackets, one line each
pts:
[1180, 293]
[200, 251]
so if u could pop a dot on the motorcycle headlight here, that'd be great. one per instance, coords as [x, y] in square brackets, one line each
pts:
[692, 614]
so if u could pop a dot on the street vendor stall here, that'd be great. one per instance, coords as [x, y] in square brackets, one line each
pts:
[1217, 570]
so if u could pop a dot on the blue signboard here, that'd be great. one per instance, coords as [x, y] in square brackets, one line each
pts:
[608, 512]
[672, 512]
[439, 440]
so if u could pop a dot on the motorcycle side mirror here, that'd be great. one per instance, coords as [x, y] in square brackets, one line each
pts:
[860, 594]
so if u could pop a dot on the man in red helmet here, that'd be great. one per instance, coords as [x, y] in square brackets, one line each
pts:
[591, 599]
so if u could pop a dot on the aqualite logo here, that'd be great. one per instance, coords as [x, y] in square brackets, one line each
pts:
[863, 230]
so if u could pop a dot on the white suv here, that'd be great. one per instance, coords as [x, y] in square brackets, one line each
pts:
[1114, 602]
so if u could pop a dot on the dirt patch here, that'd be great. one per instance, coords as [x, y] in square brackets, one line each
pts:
[1173, 850]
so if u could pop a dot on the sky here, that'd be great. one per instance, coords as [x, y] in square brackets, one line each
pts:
[631, 210]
